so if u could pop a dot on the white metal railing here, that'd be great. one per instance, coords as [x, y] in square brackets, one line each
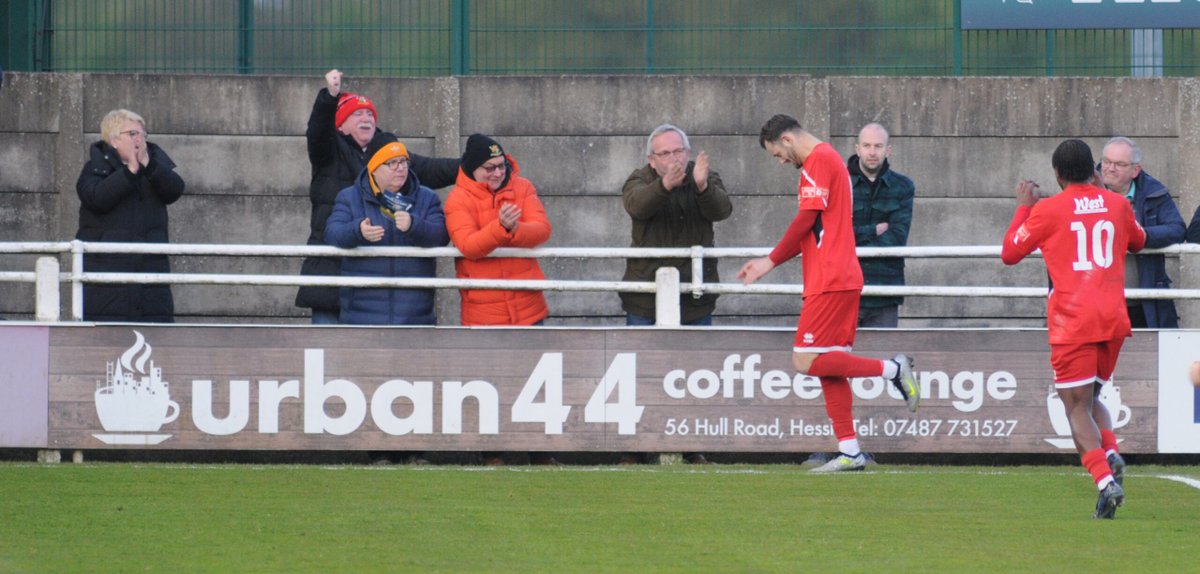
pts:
[48, 276]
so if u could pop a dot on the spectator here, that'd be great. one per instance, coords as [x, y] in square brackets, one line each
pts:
[673, 203]
[492, 206]
[124, 190]
[883, 202]
[387, 206]
[1121, 170]
[340, 129]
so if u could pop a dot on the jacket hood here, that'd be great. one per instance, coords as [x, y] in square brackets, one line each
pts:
[1150, 186]
[856, 169]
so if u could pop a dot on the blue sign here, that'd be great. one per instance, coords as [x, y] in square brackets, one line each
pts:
[1075, 14]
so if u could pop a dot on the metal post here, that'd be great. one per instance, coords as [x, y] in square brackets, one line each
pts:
[460, 38]
[48, 300]
[1146, 53]
[666, 297]
[76, 282]
[245, 36]
[649, 37]
[697, 271]
[957, 40]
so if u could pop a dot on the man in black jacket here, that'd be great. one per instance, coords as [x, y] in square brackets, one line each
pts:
[340, 129]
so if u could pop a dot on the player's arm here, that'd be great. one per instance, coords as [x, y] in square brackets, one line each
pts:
[789, 245]
[787, 248]
[1018, 241]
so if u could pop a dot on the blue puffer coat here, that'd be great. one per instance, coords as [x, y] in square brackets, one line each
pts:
[375, 306]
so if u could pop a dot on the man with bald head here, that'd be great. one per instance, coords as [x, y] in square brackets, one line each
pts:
[883, 201]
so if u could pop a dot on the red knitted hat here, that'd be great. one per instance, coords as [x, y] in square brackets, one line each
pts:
[348, 104]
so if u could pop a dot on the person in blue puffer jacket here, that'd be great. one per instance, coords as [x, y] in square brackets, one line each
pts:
[387, 206]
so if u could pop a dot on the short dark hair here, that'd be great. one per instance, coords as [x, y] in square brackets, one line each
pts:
[1073, 162]
[775, 127]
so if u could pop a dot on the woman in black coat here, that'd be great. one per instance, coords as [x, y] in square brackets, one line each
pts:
[124, 190]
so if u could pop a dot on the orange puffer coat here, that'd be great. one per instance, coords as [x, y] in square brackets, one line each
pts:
[473, 220]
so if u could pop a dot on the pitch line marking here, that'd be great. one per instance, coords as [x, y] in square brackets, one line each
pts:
[1188, 481]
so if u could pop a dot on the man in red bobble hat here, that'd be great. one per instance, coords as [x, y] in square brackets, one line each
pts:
[340, 129]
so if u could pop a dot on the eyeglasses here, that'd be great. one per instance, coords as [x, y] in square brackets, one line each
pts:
[490, 169]
[396, 164]
[1116, 164]
[669, 153]
[133, 134]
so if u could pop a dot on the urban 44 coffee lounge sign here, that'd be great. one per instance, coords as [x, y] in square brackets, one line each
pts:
[236, 387]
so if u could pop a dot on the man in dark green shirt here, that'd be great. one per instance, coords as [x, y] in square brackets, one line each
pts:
[883, 201]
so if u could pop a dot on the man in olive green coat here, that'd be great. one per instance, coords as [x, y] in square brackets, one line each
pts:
[673, 202]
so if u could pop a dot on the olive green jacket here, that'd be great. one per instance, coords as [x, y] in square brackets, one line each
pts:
[677, 218]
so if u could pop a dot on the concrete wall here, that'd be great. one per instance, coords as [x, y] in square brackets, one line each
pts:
[239, 145]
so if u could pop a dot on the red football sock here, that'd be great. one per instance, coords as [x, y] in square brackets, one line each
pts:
[838, 402]
[1097, 464]
[843, 364]
[1108, 440]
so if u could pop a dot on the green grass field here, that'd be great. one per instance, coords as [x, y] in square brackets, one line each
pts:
[729, 518]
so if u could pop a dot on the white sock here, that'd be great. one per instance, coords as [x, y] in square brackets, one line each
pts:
[1104, 482]
[890, 368]
[1109, 453]
[849, 447]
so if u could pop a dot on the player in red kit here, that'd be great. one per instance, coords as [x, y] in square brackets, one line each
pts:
[1083, 233]
[822, 232]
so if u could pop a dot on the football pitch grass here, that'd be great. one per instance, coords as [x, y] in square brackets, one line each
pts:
[137, 517]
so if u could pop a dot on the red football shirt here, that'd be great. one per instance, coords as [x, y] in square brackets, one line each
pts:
[828, 258]
[1084, 233]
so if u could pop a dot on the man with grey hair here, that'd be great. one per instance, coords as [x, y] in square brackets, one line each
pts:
[673, 202]
[1121, 171]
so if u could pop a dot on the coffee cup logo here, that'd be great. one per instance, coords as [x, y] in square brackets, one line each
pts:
[1110, 397]
[134, 398]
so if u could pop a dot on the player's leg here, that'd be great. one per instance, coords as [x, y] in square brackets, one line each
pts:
[1105, 366]
[1075, 380]
[839, 402]
[828, 324]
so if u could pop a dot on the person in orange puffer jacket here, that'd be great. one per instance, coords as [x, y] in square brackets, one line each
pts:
[492, 206]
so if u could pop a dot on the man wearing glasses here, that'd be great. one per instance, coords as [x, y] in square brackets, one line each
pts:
[673, 202]
[1121, 170]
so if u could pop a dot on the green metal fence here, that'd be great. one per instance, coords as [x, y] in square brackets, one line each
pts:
[461, 37]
